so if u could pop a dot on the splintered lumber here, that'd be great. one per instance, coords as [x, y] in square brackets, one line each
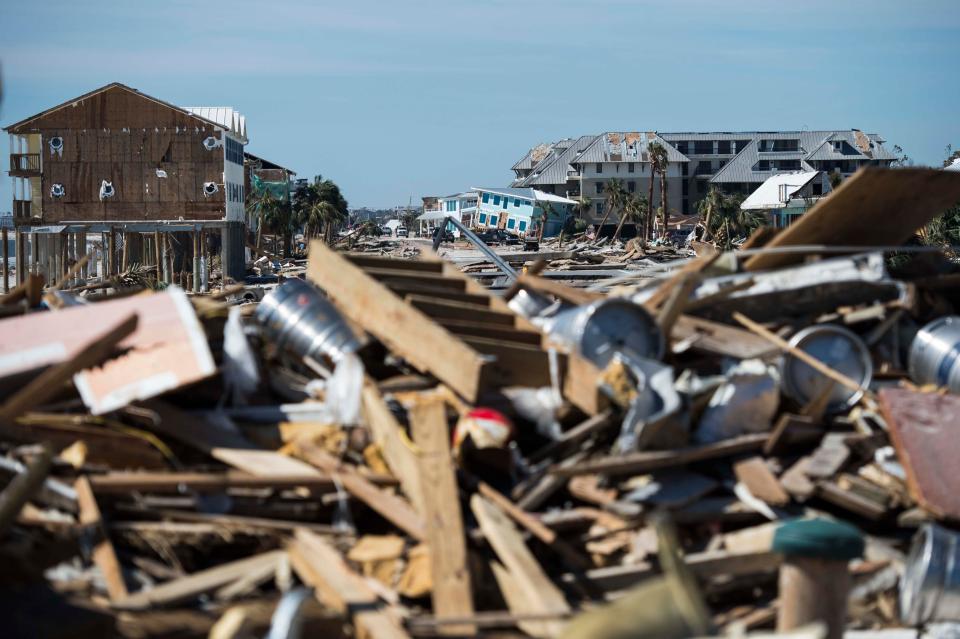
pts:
[711, 563]
[647, 461]
[391, 507]
[451, 591]
[192, 586]
[762, 484]
[23, 487]
[175, 482]
[714, 338]
[405, 330]
[223, 444]
[874, 207]
[534, 526]
[388, 435]
[335, 585]
[923, 427]
[663, 291]
[49, 383]
[103, 554]
[541, 595]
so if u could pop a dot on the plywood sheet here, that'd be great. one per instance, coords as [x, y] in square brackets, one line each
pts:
[874, 207]
[925, 429]
[167, 350]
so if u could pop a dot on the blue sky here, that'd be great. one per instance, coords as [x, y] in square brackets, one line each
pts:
[402, 99]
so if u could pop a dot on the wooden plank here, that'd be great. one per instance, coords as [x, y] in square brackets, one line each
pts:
[534, 526]
[391, 263]
[103, 554]
[192, 586]
[447, 309]
[335, 585]
[403, 329]
[516, 363]
[541, 593]
[175, 482]
[405, 288]
[391, 507]
[714, 338]
[520, 603]
[874, 207]
[468, 328]
[451, 594]
[647, 461]
[762, 484]
[392, 440]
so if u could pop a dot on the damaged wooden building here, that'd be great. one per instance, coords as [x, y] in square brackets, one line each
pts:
[143, 181]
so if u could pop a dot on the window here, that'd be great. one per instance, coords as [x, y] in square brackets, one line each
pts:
[683, 146]
[817, 188]
[516, 203]
[496, 200]
[233, 150]
[599, 168]
[493, 220]
[631, 187]
[483, 216]
[523, 226]
[788, 165]
[526, 203]
[740, 144]
[704, 167]
[486, 198]
[506, 202]
[452, 205]
[599, 186]
[723, 147]
[511, 223]
[763, 165]
[631, 168]
[703, 147]
[599, 207]
[684, 168]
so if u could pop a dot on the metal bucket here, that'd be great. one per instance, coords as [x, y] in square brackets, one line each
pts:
[838, 348]
[935, 352]
[297, 318]
[602, 328]
[930, 586]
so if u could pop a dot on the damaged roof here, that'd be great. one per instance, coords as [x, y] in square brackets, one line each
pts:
[630, 146]
[553, 168]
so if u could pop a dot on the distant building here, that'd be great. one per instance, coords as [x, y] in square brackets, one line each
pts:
[520, 210]
[260, 175]
[116, 159]
[734, 162]
[786, 196]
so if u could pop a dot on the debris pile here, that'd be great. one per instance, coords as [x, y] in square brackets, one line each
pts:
[388, 448]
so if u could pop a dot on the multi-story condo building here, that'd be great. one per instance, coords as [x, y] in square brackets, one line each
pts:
[735, 162]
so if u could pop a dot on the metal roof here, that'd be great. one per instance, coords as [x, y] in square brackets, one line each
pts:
[526, 193]
[227, 117]
[629, 146]
[767, 196]
[553, 169]
[813, 145]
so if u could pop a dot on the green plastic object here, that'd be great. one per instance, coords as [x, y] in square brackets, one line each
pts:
[819, 539]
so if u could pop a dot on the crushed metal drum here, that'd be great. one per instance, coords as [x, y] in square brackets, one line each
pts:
[935, 352]
[838, 348]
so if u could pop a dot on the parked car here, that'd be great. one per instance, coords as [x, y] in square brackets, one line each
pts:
[402, 231]
[493, 237]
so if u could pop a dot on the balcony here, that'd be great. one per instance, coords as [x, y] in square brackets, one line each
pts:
[25, 164]
[21, 209]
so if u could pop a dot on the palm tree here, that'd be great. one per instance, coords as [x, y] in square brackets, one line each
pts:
[729, 221]
[262, 205]
[615, 198]
[547, 210]
[708, 208]
[320, 208]
[659, 160]
[636, 209]
[583, 205]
